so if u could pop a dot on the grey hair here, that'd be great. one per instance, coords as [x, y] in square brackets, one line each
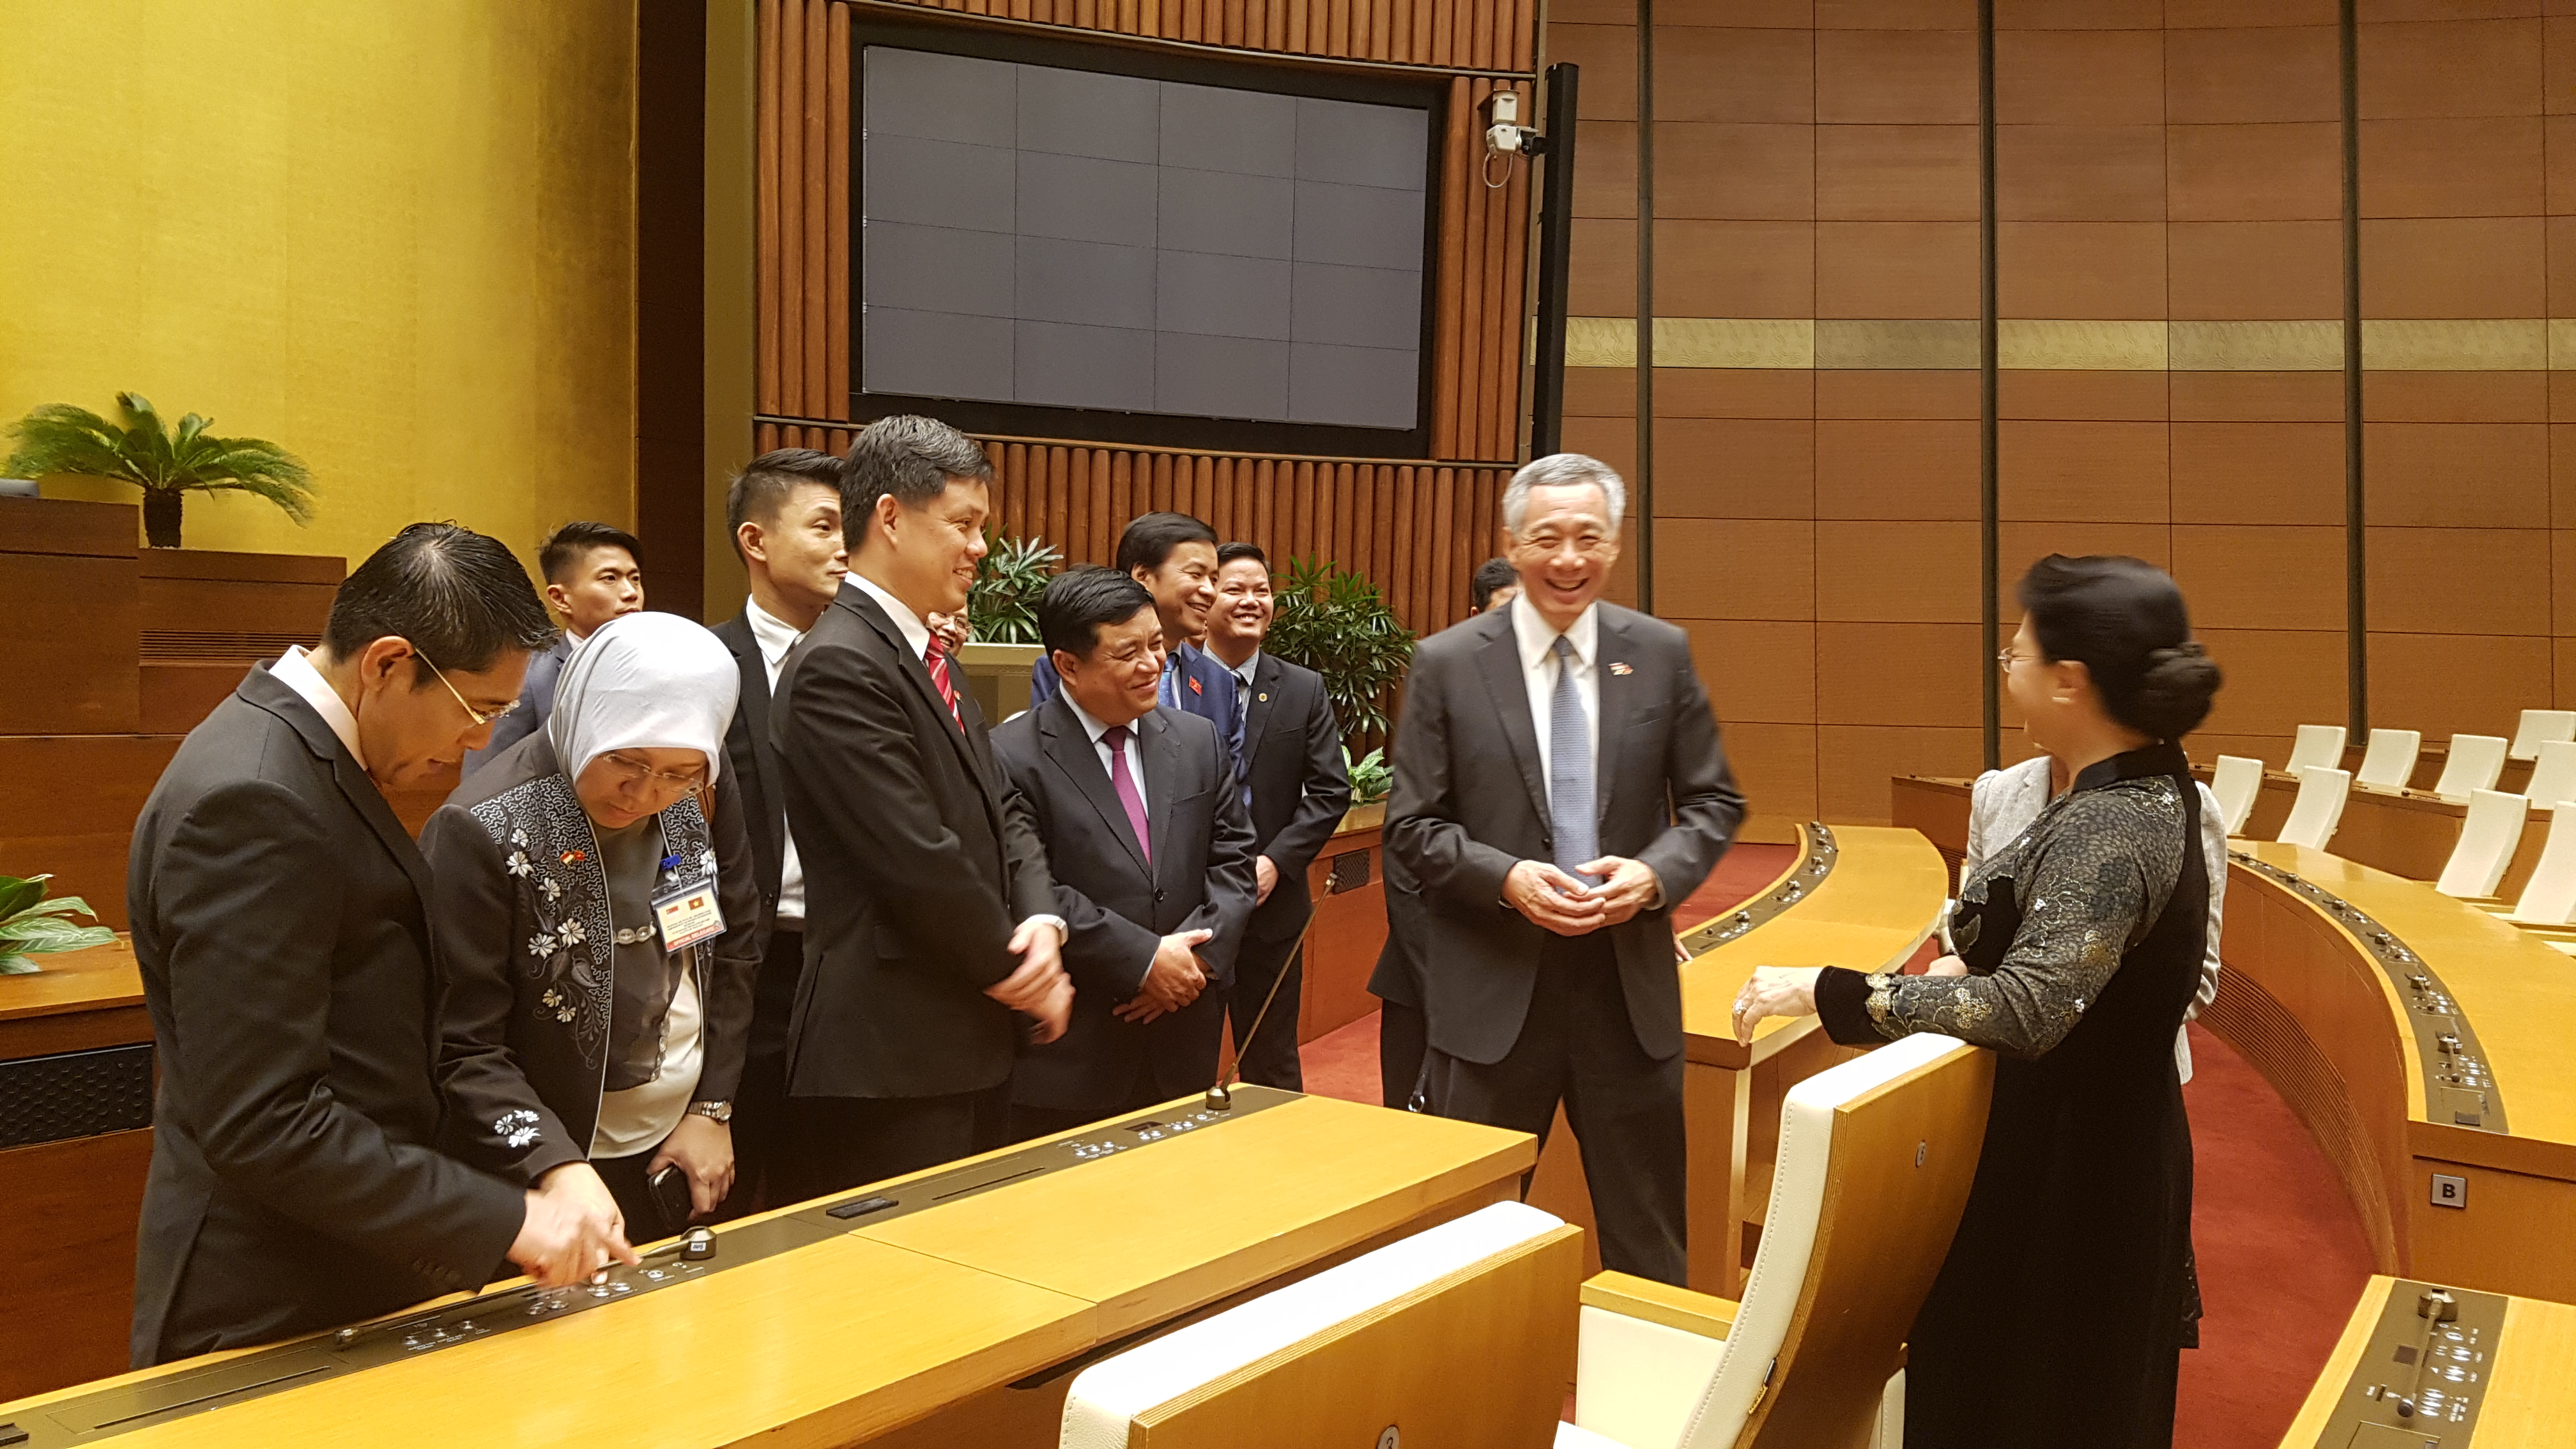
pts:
[1563, 470]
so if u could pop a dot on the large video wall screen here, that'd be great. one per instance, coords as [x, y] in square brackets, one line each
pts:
[1047, 236]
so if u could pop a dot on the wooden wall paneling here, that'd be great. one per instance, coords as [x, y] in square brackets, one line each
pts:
[836, 222]
[1444, 522]
[792, 177]
[813, 104]
[766, 228]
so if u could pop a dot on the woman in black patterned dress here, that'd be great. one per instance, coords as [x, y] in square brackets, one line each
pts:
[2057, 1320]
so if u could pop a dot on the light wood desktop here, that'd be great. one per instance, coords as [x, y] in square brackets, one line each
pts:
[2526, 1398]
[1870, 912]
[924, 1321]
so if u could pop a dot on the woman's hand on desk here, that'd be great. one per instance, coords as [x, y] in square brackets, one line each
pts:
[703, 1148]
[1774, 991]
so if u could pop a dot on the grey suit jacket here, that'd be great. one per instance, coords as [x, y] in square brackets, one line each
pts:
[282, 922]
[1471, 801]
[536, 703]
[1119, 907]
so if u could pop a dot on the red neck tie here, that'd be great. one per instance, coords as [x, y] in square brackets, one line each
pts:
[936, 656]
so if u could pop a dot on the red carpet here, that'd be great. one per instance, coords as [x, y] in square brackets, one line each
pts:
[2282, 1258]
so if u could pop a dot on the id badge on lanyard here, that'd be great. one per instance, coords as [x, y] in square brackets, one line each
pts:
[688, 914]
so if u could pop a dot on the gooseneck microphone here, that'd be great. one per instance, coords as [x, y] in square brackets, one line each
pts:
[1220, 1098]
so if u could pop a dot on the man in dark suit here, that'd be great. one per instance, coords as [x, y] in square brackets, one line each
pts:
[784, 512]
[931, 939]
[591, 577]
[1559, 787]
[281, 922]
[1174, 556]
[1152, 856]
[1299, 791]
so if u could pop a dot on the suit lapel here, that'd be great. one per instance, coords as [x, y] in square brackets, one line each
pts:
[1161, 752]
[1256, 711]
[861, 603]
[1505, 685]
[755, 713]
[1070, 747]
[1618, 700]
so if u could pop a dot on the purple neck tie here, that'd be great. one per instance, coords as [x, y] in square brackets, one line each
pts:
[1120, 780]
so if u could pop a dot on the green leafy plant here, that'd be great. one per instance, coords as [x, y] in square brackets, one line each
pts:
[32, 926]
[1372, 778]
[58, 438]
[1336, 623]
[1002, 606]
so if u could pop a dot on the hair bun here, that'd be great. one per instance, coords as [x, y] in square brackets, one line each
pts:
[2175, 691]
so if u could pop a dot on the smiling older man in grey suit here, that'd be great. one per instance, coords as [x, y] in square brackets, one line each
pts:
[1559, 788]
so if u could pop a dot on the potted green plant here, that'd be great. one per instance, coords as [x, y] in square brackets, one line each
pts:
[1002, 603]
[166, 464]
[1372, 780]
[32, 926]
[1336, 623]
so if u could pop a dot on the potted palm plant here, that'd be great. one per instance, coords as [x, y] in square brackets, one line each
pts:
[167, 464]
[1337, 624]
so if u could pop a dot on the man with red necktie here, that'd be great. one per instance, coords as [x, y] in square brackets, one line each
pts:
[1151, 850]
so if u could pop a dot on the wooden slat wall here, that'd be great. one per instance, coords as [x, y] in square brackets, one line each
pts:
[1416, 530]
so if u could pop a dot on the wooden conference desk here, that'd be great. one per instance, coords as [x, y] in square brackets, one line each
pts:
[2511, 1355]
[958, 1320]
[1856, 895]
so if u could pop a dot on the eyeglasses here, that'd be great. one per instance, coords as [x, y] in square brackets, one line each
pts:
[636, 771]
[2005, 658]
[481, 717]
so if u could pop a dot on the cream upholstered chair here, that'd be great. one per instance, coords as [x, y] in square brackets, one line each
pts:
[2488, 836]
[2474, 763]
[1876, 1156]
[1461, 1333]
[2319, 807]
[2548, 899]
[2236, 780]
[2553, 775]
[2539, 727]
[2390, 761]
[2316, 745]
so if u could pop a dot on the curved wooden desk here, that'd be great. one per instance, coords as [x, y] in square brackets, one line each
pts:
[1863, 896]
[2341, 984]
[956, 1324]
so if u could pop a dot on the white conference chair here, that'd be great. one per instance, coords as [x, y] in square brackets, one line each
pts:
[1876, 1157]
[2473, 765]
[1459, 1334]
[2317, 745]
[2539, 727]
[2390, 761]
[2488, 836]
[2237, 780]
[2319, 807]
[2548, 899]
[2553, 775]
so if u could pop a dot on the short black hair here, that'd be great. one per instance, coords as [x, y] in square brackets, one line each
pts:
[1081, 599]
[762, 487]
[1491, 576]
[1149, 541]
[2126, 620]
[567, 546]
[1227, 553]
[460, 598]
[909, 456]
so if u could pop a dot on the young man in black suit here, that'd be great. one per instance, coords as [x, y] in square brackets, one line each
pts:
[784, 512]
[1298, 790]
[591, 577]
[931, 939]
[1559, 788]
[281, 920]
[1152, 856]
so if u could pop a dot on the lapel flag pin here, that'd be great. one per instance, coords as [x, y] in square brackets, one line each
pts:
[1196, 687]
[1617, 667]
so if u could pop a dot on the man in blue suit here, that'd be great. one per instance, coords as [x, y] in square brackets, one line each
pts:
[1174, 556]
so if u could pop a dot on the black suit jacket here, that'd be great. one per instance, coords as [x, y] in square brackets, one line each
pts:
[1292, 750]
[1119, 909]
[281, 921]
[1471, 801]
[752, 760]
[920, 861]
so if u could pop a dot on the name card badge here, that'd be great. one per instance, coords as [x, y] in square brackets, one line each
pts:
[688, 915]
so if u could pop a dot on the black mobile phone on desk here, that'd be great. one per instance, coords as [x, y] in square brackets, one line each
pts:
[671, 1197]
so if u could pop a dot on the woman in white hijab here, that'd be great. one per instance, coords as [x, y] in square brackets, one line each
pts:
[597, 918]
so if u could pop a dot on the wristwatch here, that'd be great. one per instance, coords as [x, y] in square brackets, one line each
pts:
[719, 1112]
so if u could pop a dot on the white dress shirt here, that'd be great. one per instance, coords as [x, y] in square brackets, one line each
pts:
[1537, 643]
[776, 636]
[295, 670]
[2005, 802]
[1100, 748]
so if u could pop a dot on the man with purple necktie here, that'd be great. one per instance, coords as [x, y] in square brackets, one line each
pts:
[1150, 845]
